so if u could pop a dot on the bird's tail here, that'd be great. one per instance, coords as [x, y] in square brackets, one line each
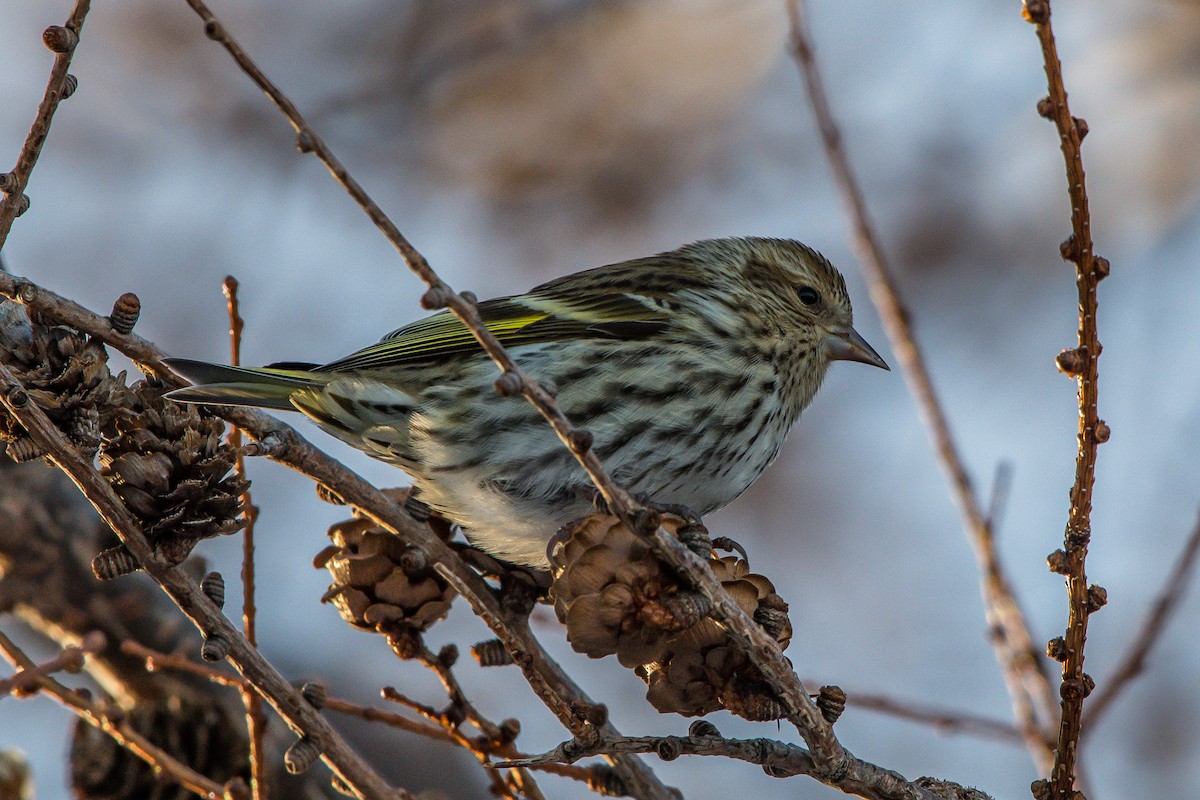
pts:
[264, 387]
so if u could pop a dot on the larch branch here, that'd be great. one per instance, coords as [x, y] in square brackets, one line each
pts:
[1022, 663]
[1082, 363]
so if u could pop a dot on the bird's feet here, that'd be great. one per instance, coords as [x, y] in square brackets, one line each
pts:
[692, 532]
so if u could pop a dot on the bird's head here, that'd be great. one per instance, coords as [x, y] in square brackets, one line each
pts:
[791, 296]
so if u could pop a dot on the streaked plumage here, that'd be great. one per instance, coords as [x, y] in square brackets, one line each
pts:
[688, 368]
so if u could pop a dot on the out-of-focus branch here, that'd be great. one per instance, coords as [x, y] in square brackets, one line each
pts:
[120, 730]
[1082, 363]
[1134, 662]
[62, 41]
[349, 766]
[69, 659]
[943, 720]
[1022, 663]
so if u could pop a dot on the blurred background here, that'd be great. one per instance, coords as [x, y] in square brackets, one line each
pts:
[517, 140]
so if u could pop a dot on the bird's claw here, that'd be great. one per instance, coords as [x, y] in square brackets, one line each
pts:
[730, 546]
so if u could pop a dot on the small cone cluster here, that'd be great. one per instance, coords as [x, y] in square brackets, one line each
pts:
[168, 463]
[381, 584]
[617, 598]
[173, 469]
[63, 372]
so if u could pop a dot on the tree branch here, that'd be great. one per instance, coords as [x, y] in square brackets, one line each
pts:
[1082, 363]
[941, 719]
[778, 759]
[63, 42]
[1022, 663]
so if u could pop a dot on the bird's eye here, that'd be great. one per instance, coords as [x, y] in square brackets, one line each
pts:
[808, 296]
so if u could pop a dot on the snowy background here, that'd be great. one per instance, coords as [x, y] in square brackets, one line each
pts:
[516, 141]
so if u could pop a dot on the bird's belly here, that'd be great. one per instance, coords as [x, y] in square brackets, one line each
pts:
[711, 475]
[493, 465]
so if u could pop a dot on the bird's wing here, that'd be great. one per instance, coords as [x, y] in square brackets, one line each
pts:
[545, 315]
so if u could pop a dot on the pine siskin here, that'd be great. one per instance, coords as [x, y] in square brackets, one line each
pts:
[688, 368]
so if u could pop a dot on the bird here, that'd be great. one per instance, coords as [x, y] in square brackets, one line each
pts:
[688, 368]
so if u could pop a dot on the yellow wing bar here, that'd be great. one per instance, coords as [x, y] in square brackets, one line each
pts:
[513, 320]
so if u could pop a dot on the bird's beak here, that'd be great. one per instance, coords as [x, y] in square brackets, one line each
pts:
[845, 344]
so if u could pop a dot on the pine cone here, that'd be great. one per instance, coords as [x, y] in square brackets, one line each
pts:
[687, 680]
[380, 584]
[66, 374]
[703, 670]
[613, 593]
[616, 597]
[171, 466]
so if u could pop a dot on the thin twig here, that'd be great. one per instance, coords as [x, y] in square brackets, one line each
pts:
[943, 720]
[256, 721]
[1083, 363]
[286, 700]
[63, 41]
[454, 690]
[1134, 662]
[519, 782]
[778, 759]
[118, 728]
[1022, 663]
[392, 695]
[69, 659]
[784, 760]
[389, 718]
[154, 660]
